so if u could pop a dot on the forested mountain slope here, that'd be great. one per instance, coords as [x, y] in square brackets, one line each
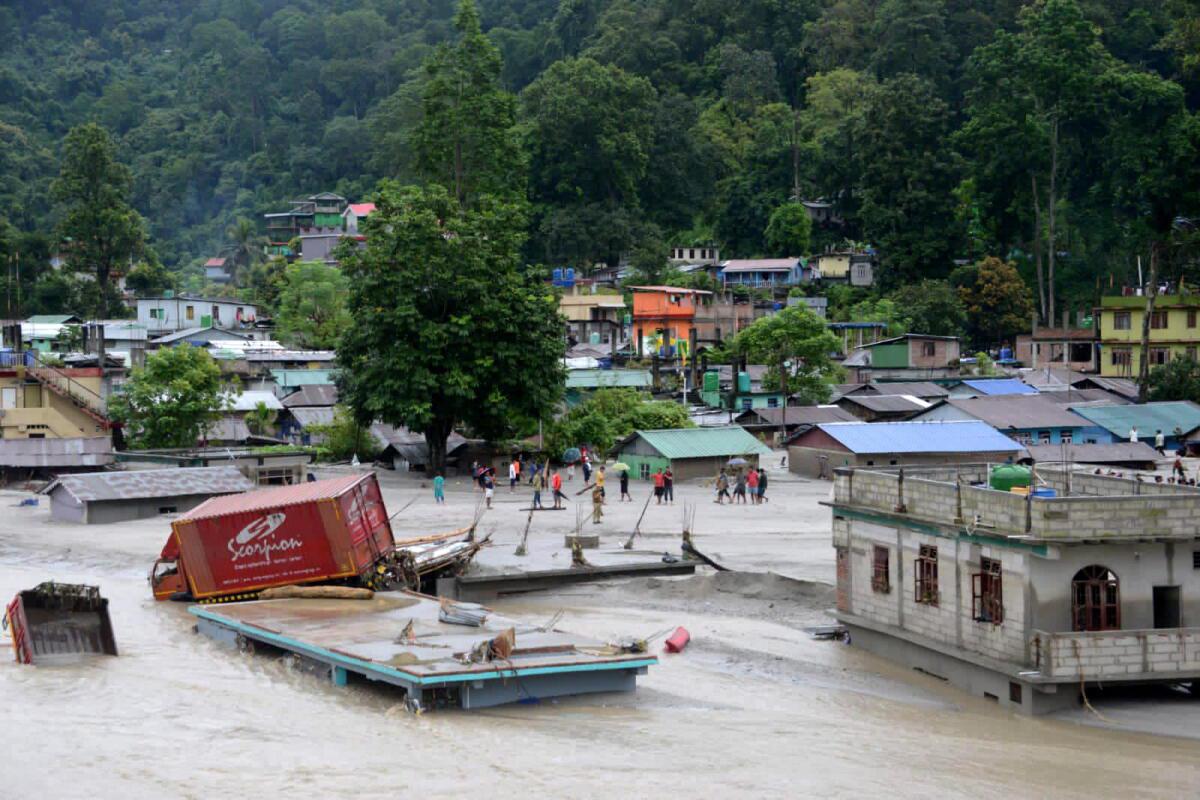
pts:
[940, 129]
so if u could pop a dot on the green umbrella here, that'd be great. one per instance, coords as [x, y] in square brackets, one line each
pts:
[620, 466]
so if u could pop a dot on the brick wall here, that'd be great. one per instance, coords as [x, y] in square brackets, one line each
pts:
[1119, 654]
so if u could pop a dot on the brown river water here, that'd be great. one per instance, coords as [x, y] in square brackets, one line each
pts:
[754, 708]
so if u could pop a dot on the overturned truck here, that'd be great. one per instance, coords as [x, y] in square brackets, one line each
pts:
[334, 531]
[56, 622]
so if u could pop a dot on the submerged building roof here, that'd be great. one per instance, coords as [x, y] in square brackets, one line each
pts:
[959, 436]
[708, 442]
[143, 483]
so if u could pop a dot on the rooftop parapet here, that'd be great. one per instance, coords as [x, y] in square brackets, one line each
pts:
[1089, 508]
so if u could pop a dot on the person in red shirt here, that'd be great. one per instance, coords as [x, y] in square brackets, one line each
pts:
[752, 483]
[659, 483]
[556, 485]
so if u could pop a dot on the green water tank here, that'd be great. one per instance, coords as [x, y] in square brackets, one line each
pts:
[1006, 476]
[712, 381]
[595, 337]
[743, 383]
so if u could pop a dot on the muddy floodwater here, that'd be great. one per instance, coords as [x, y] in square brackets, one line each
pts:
[753, 708]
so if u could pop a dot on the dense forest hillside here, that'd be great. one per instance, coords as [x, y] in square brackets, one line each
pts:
[1055, 132]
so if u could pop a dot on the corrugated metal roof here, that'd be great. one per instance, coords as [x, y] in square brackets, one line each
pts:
[1018, 411]
[84, 451]
[760, 264]
[303, 377]
[313, 415]
[922, 389]
[1112, 453]
[996, 386]
[312, 395]
[798, 415]
[189, 333]
[137, 484]
[886, 403]
[1147, 418]
[229, 429]
[711, 442]
[1064, 397]
[248, 401]
[275, 497]
[607, 378]
[966, 436]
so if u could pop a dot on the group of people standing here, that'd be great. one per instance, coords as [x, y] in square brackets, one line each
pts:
[664, 485]
[749, 483]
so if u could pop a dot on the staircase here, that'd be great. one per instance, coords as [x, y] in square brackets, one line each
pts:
[63, 385]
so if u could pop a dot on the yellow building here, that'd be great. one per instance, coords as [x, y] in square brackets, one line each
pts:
[594, 318]
[48, 403]
[1174, 332]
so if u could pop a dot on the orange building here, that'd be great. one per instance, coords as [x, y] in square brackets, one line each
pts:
[662, 316]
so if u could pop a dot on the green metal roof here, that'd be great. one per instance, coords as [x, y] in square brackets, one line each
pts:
[289, 378]
[715, 442]
[1148, 418]
[50, 319]
[608, 378]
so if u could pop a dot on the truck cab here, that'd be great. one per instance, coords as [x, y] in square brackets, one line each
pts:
[167, 578]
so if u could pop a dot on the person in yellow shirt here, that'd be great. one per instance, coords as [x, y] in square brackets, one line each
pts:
[600, 482]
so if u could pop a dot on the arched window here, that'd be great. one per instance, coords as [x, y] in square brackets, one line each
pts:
[1095, 600]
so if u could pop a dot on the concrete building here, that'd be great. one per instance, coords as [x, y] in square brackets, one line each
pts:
[663, 316]
[844, 266]
[689, 452]
[38, 401]
[271, 467]
[765, 273]
[817, 452]
[913, 356]
[1066, 346]
[26, 457]
[1025, 419]
[594, 317]
[176, 313]
[1024, 600]
[1174, 332]
[704, 254]
[105, 497]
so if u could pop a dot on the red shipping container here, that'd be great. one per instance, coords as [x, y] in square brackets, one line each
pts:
[317, 531]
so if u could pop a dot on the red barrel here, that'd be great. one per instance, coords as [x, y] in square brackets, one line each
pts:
[678, 640]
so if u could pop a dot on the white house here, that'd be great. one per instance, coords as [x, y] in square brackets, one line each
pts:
[163, 314]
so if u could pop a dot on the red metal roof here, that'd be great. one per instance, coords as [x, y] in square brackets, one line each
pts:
[215, 262]
[274, 497]
[362, 209]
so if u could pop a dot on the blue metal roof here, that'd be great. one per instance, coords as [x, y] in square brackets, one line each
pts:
[994, 386]
[960, 436]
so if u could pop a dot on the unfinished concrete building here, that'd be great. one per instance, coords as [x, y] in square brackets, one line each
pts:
[1026, 600]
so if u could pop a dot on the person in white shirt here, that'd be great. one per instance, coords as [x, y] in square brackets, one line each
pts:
[1160, 443]
[1133, 434]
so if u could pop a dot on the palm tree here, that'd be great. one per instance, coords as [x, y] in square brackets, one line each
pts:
[261, 419]
[246, 246]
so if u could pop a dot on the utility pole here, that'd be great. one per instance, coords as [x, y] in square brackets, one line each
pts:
[1144, 366]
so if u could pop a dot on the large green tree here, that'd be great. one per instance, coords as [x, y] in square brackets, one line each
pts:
[907, 180]
[447, 330]
[466, 140]
[312, 305]
[795, 345]
[171, 401]
[101, 230]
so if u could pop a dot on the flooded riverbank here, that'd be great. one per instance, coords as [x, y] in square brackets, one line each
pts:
[753, 706]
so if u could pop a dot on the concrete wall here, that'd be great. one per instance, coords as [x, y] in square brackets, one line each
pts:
[951, 621]
[1119, 654]
[109, 511]
[1139, 567]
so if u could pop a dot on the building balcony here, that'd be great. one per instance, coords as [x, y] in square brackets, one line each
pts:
[1151, 654]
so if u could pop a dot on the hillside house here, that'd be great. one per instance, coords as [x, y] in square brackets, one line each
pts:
[1028, 420]
[663, 317]
[169, 314]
